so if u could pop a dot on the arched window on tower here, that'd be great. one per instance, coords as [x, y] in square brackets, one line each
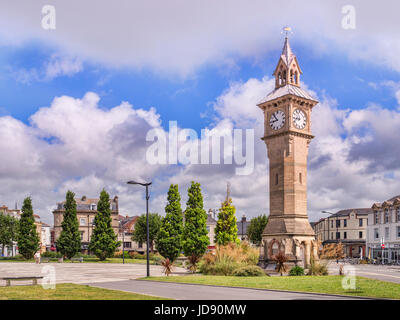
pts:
[276, 178]
[279, 79]
[291, 76]
[296, 77]
[284, 78]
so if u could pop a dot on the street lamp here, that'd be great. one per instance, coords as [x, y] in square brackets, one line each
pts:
[337, 228]
[147, 219]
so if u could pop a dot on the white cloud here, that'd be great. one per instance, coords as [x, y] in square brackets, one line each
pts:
[62, 66]
[180, 36]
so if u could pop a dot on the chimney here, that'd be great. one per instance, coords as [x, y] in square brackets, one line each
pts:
[84, 198]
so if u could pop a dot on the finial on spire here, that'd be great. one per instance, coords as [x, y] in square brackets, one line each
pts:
[286, 30]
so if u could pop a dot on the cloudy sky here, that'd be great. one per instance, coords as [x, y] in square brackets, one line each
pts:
[77, 102]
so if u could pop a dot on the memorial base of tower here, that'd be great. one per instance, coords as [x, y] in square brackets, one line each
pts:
[299, 246]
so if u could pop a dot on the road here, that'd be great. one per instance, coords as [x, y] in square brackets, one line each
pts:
[378, 272]
[179, 291]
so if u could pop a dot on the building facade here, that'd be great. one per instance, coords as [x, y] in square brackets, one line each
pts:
[86, 210]
[127, 226]
[287, 135]
[346, 226]
[384, 228]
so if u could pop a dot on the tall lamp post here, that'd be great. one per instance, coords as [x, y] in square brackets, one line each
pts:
[337, 228]
[147, 221]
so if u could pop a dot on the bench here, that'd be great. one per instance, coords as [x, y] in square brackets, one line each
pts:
[9, 279]
[80, 259]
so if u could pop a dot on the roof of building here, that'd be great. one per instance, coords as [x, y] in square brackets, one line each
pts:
[210, 219]
[390, 202]
[358, 211]
[287, 90]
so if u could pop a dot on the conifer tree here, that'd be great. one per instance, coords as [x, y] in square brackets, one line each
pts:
[69, 242]
[226, 229]
[140, 232]
[169, 239]
[28, 237]
[195, 235]
[103, 242]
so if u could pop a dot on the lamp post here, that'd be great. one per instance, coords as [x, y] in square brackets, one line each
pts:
[337, 228]
[147, 220]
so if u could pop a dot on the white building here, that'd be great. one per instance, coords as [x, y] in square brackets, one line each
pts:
[384, 227]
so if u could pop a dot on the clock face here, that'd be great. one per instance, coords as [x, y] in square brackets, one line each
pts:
[299, 119]
[277, 120]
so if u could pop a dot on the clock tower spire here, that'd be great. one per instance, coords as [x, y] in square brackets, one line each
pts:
[287, 134]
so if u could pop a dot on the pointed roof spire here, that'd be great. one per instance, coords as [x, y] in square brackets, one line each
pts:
[287, 53]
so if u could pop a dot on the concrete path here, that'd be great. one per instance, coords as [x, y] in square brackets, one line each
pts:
[79, 272]
[201, 292]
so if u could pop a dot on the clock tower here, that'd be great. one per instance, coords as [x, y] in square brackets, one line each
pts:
[287, 135]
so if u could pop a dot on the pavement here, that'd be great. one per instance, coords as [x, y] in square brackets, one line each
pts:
[79, 273]
[180, 291]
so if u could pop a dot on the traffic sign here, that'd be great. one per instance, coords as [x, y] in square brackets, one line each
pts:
[383, 246]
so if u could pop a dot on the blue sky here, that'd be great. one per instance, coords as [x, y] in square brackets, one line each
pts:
[202, 68]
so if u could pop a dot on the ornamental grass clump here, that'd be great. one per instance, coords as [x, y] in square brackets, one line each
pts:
[226, 259]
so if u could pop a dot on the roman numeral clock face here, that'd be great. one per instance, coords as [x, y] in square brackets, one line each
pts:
[299, 119]
[277, 120]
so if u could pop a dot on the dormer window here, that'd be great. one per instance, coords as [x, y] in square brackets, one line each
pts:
[93, 206]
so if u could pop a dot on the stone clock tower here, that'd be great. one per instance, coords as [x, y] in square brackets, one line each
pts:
[287, 114]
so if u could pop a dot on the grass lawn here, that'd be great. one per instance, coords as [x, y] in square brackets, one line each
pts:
[68, 291]
[317, 284]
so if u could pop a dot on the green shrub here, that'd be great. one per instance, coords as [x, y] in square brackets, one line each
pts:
[249, 271]
[317, 269]
[51, 254]
[296, 271]
[228, 258]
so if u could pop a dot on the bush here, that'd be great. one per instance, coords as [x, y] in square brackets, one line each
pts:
[248, 271]
[118, 254]
[317, 269]
[228, 258]
[51, 254]
[296, 271]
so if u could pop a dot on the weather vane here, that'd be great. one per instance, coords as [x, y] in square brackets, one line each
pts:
[286, 30]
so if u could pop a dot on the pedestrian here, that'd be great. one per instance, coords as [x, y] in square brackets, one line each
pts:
[37, 257]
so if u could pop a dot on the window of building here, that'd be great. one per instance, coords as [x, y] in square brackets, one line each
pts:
[398, 214]
[93, 206]
[300, 178]
[82, 235]
[386, 216]
[331, 223]
[276, 178]
[344, 235]
[376, 217]
[345, 223]
[337, 223]
[337, 235]
[360, 222]
[360, 234]
[332, 235]
[398, 232]
[376, 233]
[128, 245]
[387, 235]
[140, 245]
[82, 221]
[92, 221]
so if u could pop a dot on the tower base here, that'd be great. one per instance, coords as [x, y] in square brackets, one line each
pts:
[299, 249]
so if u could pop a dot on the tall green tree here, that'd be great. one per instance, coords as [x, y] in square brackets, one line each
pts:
[28, 237]
[226, 229]
[8, 231]
[69, 242]
[169, 239]
[195, 235]
[256, 228]
[103, 242]
[140, 232]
